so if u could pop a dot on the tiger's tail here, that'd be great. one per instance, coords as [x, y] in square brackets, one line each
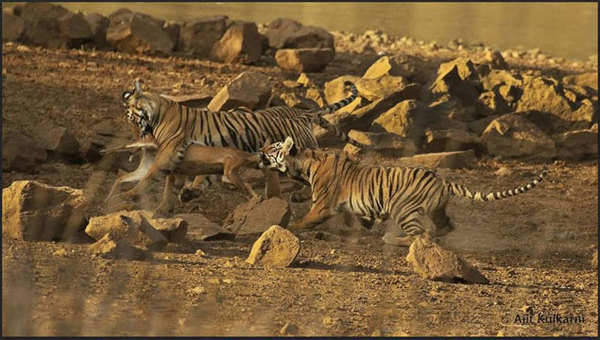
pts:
[334, 107]
[461, 190]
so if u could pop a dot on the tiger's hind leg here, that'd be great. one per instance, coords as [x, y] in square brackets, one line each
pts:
[409, 228]
[173, 185]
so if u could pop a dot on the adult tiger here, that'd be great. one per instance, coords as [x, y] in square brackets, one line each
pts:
[174, 127]
[414, 198]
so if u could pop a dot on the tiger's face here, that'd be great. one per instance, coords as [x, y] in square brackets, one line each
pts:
[274, 156]
[141, 109]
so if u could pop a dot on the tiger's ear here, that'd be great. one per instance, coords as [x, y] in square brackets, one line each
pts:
[138, 85]
[287, 145]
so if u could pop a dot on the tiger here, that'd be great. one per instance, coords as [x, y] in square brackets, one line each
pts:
[414, 199]
[175, 127]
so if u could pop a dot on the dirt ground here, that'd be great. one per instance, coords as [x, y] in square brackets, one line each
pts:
[535, 248]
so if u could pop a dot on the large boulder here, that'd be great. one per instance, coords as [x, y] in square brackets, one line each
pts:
[584, 79]
[13, 27]
[287, 33]
[383, 143]
[304, 59]
[409, 67]
[241, 43]
[13, 157]
[255, 216]
[98, 26]
[138, 33]
[34, 11]
[34, 211]
[511, 135]
[74, 30]
[364, 116]
[450, 140]
[60, 143]
[578, 144]
[496, 78]
[436, 160]
[544, 95]
[276, 247]
[203, 229]
[198, 37]
[457, 78]
[433, 262]
[373, 89]
[249, 89]
[136, 227]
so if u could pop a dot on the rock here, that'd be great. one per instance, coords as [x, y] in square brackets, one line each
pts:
[464, 66]
[173, 29]
[138, 33]
[33, 211]
[584, 79]
[292, 100]
[249, 89]
[173, 229]
[199, 36]
[276, 247]
[74, 30]
[496, 78]
[34, 11]
[450, 160]
[132, 226]
[493, 102]
[408, 67]
[594, 261]
[241, 43]
[433, 262]
[287, 33]
[503, 171]
[585, 115]
[578, 144]
[373, 89]
[385, 143]
[60, 252]
[316, 96]
[111, 246]
[456, 78]
[193, 100]
[450, 140]
[201, 228]
[405, 119]
[495, 59]
[60, 143]
[365, 115]
[13, 27]
[304, 59]
[43, 32]
[305, 80]
[511, 135]
[543, 95]
[255, 216]
[13, 157]
[478, 126]
[98, 26]
[454, 109]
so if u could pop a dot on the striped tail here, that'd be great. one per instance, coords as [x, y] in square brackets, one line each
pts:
[334, 107]
[461, 190]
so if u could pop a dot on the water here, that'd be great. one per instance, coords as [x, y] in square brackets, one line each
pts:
[567, 30]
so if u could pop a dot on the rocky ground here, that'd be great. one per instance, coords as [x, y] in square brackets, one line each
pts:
[535, 249]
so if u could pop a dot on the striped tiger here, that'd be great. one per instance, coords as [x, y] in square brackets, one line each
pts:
[175, 127]
[414, 198]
